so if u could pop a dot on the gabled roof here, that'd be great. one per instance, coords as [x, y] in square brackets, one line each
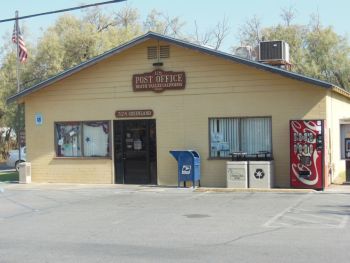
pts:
[182, 43]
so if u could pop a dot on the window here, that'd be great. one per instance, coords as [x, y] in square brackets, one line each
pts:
[249, 135]
[82, 139]
[96, 139]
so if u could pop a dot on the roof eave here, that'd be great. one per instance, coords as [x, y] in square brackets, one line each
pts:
[71, 71]
[248, 62]
[341, 91]
[182, 43]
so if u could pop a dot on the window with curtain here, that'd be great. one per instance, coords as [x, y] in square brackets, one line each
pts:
[96, 139]
[249, 135]
[82, 139]
[68, 139]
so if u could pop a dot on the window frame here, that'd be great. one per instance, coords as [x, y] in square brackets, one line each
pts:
[81, 124]
[239, 135]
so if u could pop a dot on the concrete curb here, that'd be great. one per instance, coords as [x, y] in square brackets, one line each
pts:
[67, 186]
[253, 190]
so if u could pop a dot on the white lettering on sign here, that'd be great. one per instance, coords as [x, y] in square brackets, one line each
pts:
[133, 113]
[159, 80]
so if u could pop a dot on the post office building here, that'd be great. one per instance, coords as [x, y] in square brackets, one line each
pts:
[114, 118]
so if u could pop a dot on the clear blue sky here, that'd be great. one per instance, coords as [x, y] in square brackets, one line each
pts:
[334, 13]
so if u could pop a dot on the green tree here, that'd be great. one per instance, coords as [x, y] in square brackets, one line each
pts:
[8, 113]
[315, 50]
[68, 42]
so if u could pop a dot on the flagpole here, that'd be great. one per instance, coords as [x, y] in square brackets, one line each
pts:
[18, 89]
[17, 58]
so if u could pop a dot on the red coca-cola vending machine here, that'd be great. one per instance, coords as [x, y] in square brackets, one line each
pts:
[308, 158]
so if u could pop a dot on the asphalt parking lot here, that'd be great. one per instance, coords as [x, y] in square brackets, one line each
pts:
[110, 223]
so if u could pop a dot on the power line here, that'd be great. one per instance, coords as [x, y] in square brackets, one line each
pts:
[60, 11]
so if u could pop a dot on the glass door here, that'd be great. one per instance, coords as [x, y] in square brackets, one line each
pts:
[135, 151]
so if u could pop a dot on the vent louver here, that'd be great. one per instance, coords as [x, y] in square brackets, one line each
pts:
[274, 50]
[152, 52]
[164, 52]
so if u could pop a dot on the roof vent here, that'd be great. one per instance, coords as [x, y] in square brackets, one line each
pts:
[152, 52]
[164, 51]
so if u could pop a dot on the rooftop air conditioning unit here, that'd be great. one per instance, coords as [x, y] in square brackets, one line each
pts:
[273, 50]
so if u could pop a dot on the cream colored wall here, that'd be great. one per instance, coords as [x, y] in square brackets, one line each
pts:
[214, 88]
[338, 109]
[40, 145]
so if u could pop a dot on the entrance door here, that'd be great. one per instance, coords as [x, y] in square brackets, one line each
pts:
[347, 178]
[135, 151]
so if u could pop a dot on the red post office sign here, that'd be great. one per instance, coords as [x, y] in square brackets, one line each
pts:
[159, 80]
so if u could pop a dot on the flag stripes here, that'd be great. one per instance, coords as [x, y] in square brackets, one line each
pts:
[22, 50]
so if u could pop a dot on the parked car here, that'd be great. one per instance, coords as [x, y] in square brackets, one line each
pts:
[13, 158]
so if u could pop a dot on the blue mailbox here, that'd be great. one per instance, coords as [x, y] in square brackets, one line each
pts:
[188, 163]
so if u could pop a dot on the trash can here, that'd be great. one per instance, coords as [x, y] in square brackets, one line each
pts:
[25, 173]
[261, 174]
[188, 164]
[237, 174]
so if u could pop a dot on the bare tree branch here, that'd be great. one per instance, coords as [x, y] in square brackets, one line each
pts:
[126, 16]
[220, 32]
[173, 25]
[315, 21]
[98, 19]
[202, 39]
[250, 32]
[288, 14]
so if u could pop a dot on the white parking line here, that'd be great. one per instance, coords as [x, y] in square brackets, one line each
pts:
[294, 217]
[333, 218]
[299, 219]
[270, 222]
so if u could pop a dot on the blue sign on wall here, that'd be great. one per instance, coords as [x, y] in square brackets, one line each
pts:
[38, 119]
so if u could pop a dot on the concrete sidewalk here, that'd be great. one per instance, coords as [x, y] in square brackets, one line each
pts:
[334, 188]
[338, 188]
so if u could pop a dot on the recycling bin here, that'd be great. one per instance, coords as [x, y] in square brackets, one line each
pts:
[261, 174]
[188, 164]
[237, 174]
[25, 173]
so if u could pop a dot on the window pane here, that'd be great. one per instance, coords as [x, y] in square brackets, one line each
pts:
[224, 137]
[96, 142]
[248, 135]
[256, 134]
[68, 138]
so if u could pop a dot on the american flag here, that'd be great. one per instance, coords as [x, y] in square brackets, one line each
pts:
[22, 52]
